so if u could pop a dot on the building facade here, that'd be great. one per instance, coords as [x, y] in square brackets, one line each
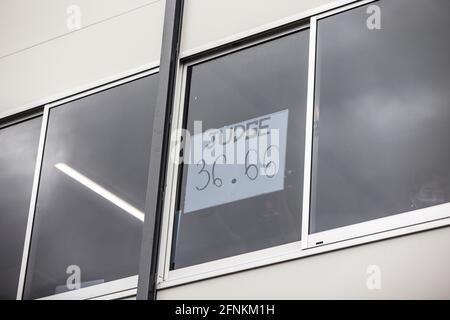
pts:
[101, 199]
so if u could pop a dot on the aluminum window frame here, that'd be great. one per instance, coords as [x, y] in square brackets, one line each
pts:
[110, 287]
[311, 244]
[172, 189]
[374, 226]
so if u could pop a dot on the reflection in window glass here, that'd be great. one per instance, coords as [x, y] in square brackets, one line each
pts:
[89, 215]
[383, 97]
[18, 151]
[228, 209]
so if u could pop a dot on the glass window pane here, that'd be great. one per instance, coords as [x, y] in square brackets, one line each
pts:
[383, 112]
[89, 215]
[239, 209]
[18, 152]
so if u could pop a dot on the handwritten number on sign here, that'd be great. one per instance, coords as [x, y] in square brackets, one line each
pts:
[217, 181]
[203, 171]
[270, 174]
[251, 170]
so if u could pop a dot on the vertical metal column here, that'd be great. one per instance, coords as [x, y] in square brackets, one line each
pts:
[159, 150]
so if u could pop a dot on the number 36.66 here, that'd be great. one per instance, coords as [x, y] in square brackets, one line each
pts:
[251, 169]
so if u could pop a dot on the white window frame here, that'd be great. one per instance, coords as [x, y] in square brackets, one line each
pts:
[106, 289]
[397, 221]
[172, 178]
[310, 244]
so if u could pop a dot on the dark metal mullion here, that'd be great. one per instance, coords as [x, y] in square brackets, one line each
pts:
[159, 150]
[21, 117]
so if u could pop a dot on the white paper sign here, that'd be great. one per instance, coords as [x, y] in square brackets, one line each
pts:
[237, 162]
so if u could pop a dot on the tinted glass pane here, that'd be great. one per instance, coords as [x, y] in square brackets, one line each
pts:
[383, 112]
[241, 210]
[88, 220]
[18, 151]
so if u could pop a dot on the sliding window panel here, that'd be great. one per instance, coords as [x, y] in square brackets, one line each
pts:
[90, 206]
[382, 113]
[18, 152]
[237, 200]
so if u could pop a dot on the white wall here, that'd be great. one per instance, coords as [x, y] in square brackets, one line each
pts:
[40, 57]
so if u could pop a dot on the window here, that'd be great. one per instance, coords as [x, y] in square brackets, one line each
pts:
[90, 205]
[382, 114]
[18, 145]
[361, 107]
[228, 207]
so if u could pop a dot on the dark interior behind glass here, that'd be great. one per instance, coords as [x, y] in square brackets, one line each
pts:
[18, 152]
[250, 83]
[96, 155]
[383, 113]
